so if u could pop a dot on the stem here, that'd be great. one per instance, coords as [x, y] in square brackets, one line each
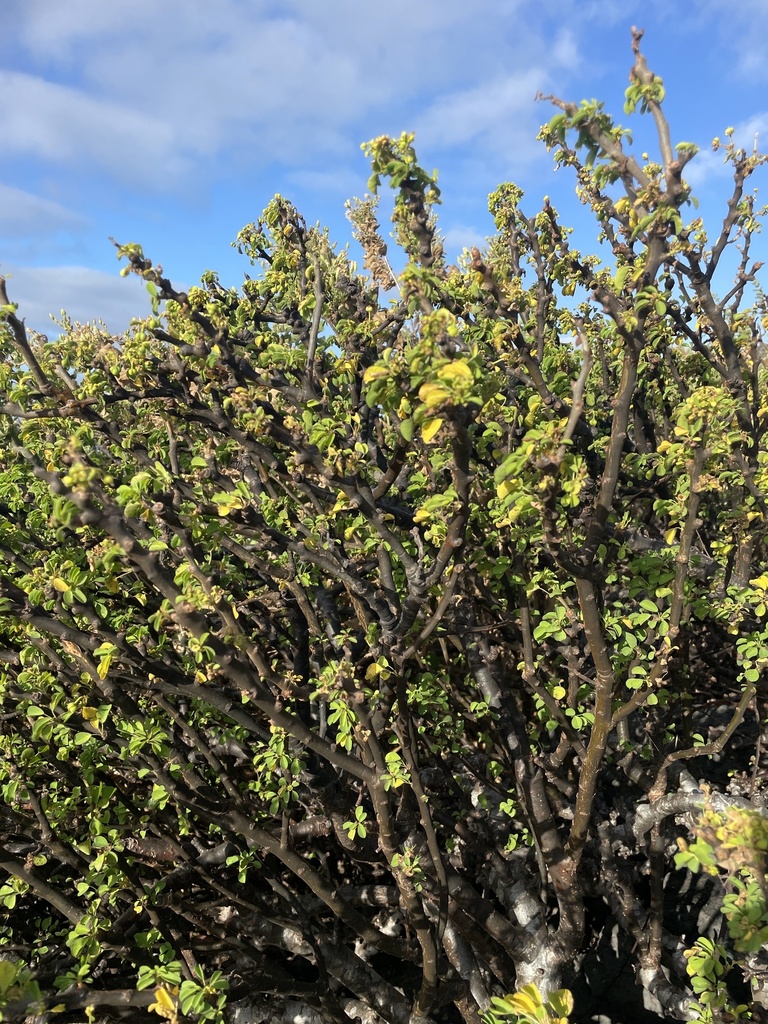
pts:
[604, 687]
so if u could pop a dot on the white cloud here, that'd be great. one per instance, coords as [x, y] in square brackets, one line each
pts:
[458, 237]
[565, 51]
[752, 133]
[61, 124]
[85, 294]
[742, 29]
[337, 181]
[114, 101]
[705, 166]
[709, 165]
[155, 92]
[486, 109]
[22, 213]
[51, 29]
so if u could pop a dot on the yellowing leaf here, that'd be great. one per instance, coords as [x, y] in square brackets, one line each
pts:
[558, 692]
[433, 394]
[165, 1005]
[375, 373]
[523, 1004]
[430, 427]
[59, 584]
[455, 371]
[342, 504]
[528, 1000]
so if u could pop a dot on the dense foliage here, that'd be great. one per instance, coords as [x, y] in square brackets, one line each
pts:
[363, 633]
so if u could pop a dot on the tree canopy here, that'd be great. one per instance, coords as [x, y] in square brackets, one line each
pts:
[379, 643]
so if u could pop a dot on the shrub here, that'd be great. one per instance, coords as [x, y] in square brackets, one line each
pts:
[358, 627]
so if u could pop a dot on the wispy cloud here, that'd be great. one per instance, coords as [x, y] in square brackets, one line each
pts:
[742, 29]
[22, 213]
[753, 133]
[61, 124]
[709, 165]
[458, 237]
[465, 116]
[83, 293]
[149, 89]
[337, 180]
[170, 122]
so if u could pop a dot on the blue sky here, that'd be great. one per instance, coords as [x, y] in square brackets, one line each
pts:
[173, 123]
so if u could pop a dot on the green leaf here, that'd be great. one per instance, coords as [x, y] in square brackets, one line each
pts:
[8, 971]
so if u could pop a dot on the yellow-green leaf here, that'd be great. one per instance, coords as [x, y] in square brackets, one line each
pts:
[7, 975]
[561, 1002]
